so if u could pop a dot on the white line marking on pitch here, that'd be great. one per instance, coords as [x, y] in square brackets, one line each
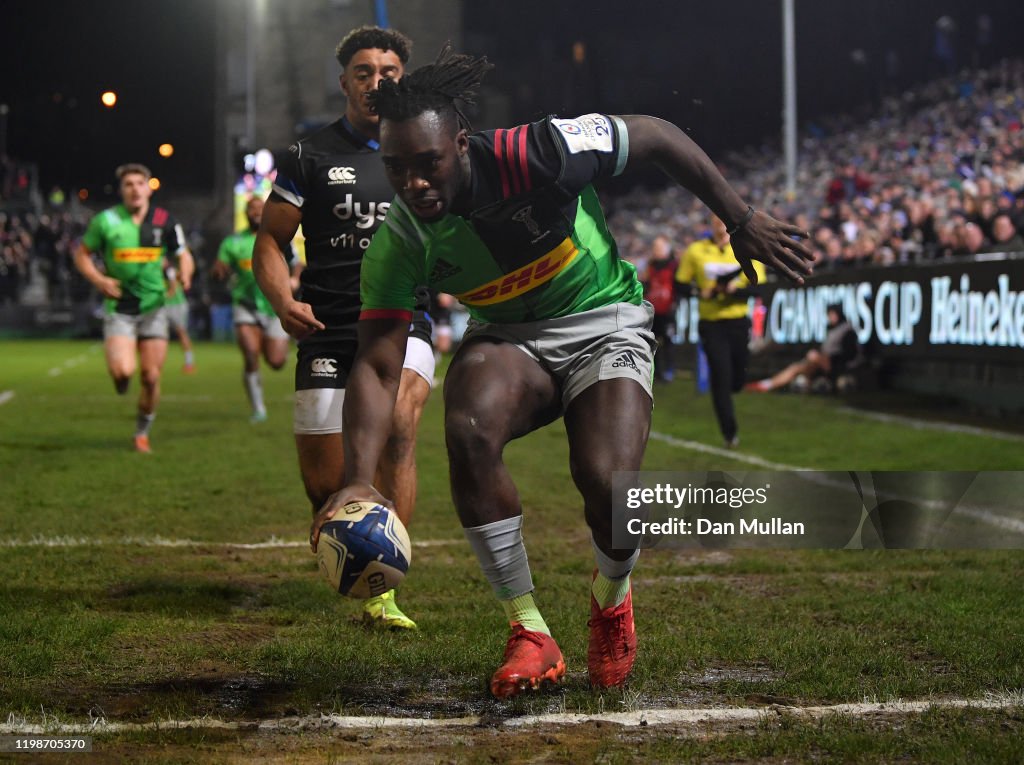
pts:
[68, 364]
[697, 446]
[946, 427]
[20, 727]
[979, 514]
[6, 396]
[271, 544]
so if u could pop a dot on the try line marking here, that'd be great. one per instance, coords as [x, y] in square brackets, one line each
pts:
[271, 544]
[20, 727]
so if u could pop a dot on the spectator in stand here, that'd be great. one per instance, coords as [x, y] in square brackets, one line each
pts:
[1005, 236]
[660, 292]
[848, 184]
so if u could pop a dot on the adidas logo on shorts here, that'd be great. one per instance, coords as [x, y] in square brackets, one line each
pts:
[626, 359]
[323, 368]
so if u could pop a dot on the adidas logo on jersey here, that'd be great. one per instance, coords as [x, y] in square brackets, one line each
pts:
[626, 359]
[442, 270]
[323, 368]
[338, 175]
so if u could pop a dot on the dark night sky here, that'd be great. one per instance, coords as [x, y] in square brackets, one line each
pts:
[714, 68]
[58, 57]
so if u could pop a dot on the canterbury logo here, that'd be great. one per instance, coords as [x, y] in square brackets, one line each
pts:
[530, 276]
[341, 175]
[323, 368]
[137, 254]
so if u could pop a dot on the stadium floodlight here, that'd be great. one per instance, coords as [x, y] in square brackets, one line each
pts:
[789, 96]
[166, 149]
[109, 98]
[154, 183]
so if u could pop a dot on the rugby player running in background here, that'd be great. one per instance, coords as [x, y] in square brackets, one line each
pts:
[257, 328]
[333, 184]
[176, 306]
[134, 238]
[509, 223]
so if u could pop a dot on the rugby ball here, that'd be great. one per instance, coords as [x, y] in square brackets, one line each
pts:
[364, 550]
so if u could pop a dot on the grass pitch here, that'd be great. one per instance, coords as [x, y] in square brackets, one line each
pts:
[127, 594]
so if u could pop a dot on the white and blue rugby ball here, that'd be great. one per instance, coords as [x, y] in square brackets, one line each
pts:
[364, 550]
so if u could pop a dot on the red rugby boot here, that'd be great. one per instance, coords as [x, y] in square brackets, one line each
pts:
[532, 659]
[612, 648]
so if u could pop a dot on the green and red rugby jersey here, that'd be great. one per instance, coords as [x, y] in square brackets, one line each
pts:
[534, 244]
[133, 253]
[236, 253]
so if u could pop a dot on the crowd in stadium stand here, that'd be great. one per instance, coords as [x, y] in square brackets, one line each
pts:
[938, 173]
[36, 249]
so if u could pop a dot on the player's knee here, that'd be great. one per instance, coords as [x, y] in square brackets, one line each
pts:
[276, 362]
[593, 478]
[470, 437]
[150, 375]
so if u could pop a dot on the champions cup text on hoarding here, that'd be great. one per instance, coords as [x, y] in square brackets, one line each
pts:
[892, 313]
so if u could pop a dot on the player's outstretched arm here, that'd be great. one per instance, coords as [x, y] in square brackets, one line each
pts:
[760, 237]
[277, 229]
[366, 418]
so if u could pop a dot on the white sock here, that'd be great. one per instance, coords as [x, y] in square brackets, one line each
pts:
[190, 358]
[254, 387]
[499, 549]
[611, 585]
[143, 422]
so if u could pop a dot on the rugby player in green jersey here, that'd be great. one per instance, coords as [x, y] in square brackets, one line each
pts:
[176, 306]
[257, 328]
[133, 239]
[508, 222]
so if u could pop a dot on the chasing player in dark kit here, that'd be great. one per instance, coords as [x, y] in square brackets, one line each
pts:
[333, 184]
[508, 222]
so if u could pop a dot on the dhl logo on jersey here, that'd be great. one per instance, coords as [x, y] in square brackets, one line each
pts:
[245, 264]
[530, 276]
[137, 254]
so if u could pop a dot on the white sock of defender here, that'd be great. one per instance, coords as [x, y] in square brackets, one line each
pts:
[143, 422]
[502, 555]
[190, 358]
[611, 585]
[254, 387]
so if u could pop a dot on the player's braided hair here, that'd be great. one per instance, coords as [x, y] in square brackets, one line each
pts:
[451, 80]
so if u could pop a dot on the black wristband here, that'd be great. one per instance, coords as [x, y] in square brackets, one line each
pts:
[743, 221]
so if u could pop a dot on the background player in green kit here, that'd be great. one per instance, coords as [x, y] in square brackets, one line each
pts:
[176, 307]
[133, 239]
[257, 328]
[508, 222]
